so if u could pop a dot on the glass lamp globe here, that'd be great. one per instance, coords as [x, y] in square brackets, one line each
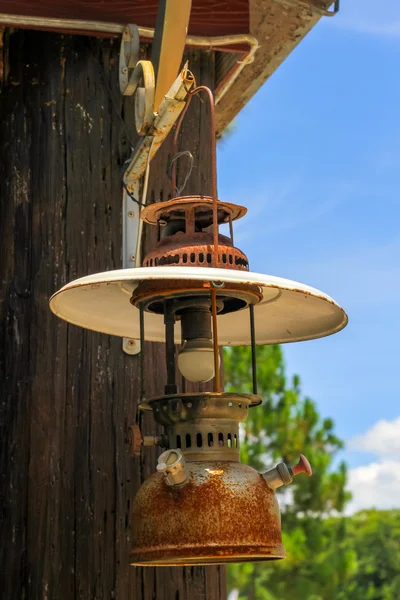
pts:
[196, 360]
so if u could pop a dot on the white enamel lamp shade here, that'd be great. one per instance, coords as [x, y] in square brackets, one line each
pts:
[288, 312]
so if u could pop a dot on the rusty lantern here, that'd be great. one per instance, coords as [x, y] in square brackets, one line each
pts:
[202, 505]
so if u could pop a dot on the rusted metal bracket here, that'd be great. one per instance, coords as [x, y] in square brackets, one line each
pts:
[128, 57]
[158, 73]
[170, 109]
[156, 110]
[310, 5]
[169, 43]
[163, 121]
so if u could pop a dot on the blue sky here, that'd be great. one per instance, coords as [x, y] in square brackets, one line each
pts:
[322, 185]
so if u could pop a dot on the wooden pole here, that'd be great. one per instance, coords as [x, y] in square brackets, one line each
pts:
[68, 396]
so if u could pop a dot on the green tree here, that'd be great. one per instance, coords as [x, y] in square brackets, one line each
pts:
[285, 425]
[374, 538]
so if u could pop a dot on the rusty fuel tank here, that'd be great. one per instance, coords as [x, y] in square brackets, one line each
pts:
[203, 506]
[225, 513]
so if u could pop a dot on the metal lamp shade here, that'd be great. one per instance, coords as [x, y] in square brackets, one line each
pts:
[287, 312]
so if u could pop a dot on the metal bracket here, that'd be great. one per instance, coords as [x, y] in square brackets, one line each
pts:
[130, 225]
[168, 113]
[130, 230]
[332, 13]
[136, 78]
[309, 5]
[128, 57]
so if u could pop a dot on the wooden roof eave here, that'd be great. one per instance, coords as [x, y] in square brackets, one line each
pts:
[278, 26]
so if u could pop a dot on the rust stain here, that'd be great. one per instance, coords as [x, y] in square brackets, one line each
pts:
[226, 510]
[176, 207]
[196, 250]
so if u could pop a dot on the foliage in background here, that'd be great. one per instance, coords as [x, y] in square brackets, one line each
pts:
[373, 537]
[329, 557]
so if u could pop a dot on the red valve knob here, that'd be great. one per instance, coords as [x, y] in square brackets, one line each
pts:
[303, 466]
[135, 440]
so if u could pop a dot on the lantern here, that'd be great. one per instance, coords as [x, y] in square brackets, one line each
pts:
[202, 505]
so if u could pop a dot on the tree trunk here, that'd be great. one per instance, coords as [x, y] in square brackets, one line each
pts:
[68, 395]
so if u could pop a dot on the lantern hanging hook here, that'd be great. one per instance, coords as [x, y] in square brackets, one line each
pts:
[210, 95]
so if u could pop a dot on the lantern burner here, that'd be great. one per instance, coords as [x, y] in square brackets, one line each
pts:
[203, 425]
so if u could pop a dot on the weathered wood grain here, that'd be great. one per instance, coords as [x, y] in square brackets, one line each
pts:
[68, 396]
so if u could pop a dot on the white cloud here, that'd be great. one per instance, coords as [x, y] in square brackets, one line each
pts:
[370, 17]
[377, 485]
[383, 439]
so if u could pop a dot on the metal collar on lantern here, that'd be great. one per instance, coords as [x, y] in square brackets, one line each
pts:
[202, 506]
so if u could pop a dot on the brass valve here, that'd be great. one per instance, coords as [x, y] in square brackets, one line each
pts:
[283, 475]
[137, 440]
[172, 465]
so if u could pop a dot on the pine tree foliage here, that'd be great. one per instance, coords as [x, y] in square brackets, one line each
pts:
[285, 425]
[330, 556]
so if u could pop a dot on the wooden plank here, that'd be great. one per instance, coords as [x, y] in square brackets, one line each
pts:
[68, 396]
